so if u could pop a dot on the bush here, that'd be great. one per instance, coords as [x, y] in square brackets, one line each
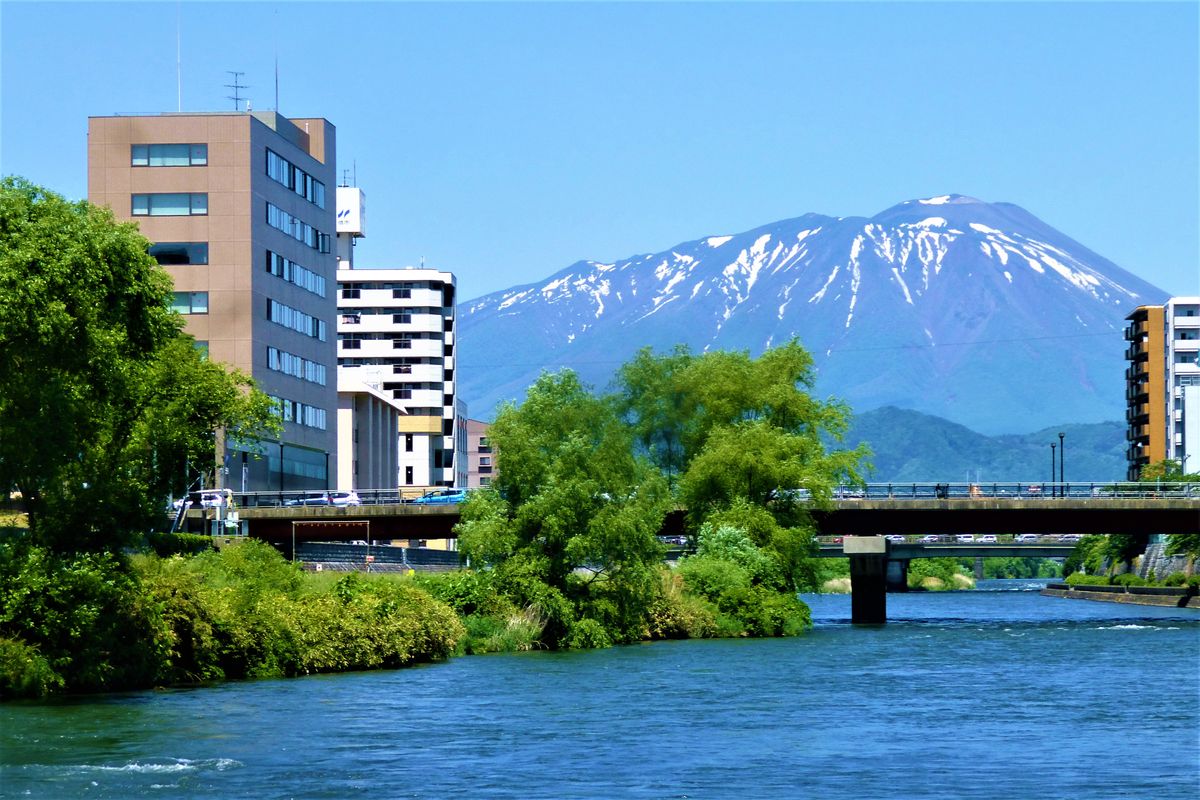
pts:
[515, 632]
[1081, 579]
[170, 544]
[1175, 579]
[588, 634]
[1129, 579]
[24, 672]
[675, 614]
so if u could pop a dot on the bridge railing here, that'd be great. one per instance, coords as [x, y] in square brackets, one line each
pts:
[1036, 490]
[318, 497]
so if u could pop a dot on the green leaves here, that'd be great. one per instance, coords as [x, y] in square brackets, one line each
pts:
[104, 399]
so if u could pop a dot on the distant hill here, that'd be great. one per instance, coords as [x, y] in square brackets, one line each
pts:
[977, 312]
[910, 446]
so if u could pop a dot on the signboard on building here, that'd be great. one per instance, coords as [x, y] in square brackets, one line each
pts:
[351, 211]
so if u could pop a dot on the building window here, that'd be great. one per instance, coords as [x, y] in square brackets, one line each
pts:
[408, 442]
[283, 171]
[201, 347]
[351, 343]
[484, 445]
[168, 253]
[190, 302]
[408, 476]
[296, 366]
[485, 469]
[401, 294]
[485, 461]
[402, 394]
[170, 205]
[296, 228]
[169, 155]
[402, 369]
[485, 481]
[401, 319]
[292, 272]
[296, 320]
[300, 413]
[351, 293]
[401, 344]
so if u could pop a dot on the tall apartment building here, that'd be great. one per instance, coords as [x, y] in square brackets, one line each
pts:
[238, 209]
[1163, 385]
[481, 461]
[396, 331]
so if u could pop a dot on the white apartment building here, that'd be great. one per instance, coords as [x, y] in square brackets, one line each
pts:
[1181, 318]
[396, 328]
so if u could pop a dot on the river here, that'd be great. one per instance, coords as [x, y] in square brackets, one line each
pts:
[997, 693]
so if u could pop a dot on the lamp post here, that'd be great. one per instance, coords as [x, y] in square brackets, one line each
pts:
[1053, 488]
[1062, 459]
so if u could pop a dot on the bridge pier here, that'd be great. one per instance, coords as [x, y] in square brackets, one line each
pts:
[979, 568]
[868, 578]
[897, 575]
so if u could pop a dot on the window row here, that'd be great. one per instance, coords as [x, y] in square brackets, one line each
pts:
[180, 204]
[296, 228]
[283, 171]
[292, 272]
[296, 366]
[168, 155]
[301, 413]
[190, 302]
[356, 318]
[168, 253]
[298, 321]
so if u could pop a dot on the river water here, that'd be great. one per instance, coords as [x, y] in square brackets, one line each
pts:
[985, 694]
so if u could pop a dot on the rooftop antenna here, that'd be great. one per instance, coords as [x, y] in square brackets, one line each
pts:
[236, 85]
[178, 57]
[276, 29]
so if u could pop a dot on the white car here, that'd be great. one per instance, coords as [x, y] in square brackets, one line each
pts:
[344, 499]
[894, 537]
[930, 539]
[209, 498]
[987, 538]
[966, 538]
[1026, 538]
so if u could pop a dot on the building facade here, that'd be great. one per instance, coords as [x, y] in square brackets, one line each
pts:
[240, 209]
[397, 327]
[481, 461]
[1163, 385]
[368, 423]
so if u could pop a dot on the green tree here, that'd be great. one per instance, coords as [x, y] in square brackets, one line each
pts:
[570, 523]
[1167, 470]
[103, 394]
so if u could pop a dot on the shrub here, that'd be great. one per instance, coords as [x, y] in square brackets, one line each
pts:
[1175, 579]
[517, 631]
[169, 544]
[1081, 579]
[24, 672]
[1129, 579]
[676, 614]
[588, 634]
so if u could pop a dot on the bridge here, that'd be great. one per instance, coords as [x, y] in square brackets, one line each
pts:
[861, 515]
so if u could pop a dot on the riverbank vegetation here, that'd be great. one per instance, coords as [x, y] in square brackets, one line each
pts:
[108, 408]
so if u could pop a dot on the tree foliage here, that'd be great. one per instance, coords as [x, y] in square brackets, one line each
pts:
[104, 398]
[570, 521]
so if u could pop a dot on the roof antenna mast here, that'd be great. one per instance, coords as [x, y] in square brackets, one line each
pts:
[236, 86]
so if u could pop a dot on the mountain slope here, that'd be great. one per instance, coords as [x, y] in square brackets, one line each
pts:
[914, 447]
[976, 312]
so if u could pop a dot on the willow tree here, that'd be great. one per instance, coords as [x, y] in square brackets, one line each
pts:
[747, 439]
[569, 523]
[102, 394]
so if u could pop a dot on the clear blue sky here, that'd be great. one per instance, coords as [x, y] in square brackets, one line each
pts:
[504, 142]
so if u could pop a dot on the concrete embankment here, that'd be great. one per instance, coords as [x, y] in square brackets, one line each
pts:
[1133, 595]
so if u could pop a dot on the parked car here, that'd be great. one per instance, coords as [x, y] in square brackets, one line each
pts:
[894, 537]
[965, 538]
[987, 538]
[441, 497]
[208, 498]
[1070, 537]
[1026, 538]
[342, 499]
[930, 539]
[321, 499]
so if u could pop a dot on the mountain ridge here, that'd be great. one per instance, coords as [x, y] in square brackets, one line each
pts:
[949, 305]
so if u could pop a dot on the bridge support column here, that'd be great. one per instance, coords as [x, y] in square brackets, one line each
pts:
[897, 575]
[979, 568]
[868, 578]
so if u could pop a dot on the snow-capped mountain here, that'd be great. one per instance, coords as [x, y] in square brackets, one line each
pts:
[977, 312]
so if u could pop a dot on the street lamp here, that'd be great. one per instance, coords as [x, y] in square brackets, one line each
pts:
[1062, 459]
[1053, 488]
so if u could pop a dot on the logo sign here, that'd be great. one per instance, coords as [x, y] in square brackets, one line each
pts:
[351, 211]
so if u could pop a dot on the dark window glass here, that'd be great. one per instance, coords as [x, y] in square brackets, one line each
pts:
[180, 252]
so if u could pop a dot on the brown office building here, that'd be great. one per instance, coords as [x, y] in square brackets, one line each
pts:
[241, 210]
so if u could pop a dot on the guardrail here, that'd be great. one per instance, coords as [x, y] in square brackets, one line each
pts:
[1009, 490]
[1037, 490]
